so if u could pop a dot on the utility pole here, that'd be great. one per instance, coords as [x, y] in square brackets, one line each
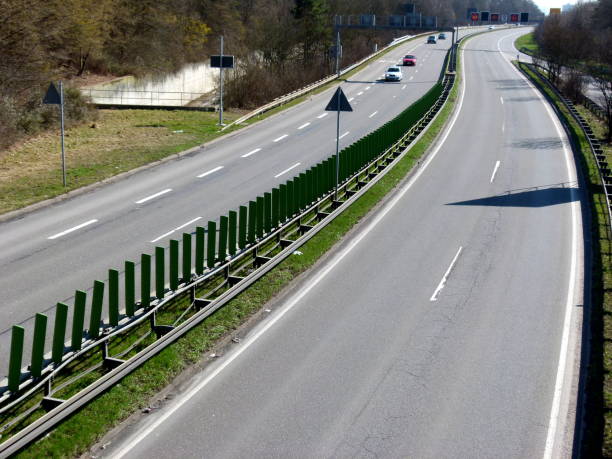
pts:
[221, 86]
[338, 53]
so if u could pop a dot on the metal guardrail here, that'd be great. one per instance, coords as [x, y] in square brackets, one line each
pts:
[141, 97]
[603, 167]
[264, 242]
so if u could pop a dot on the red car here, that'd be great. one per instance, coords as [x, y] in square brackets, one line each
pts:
[409, 59]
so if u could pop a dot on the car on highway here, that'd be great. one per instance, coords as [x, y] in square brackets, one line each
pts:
[409, 59]
[431, 39]
[393, 74]
[442, 36]
[491, 27]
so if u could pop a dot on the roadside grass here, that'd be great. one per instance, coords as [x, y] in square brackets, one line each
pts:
[527, 44]
[136, 391]
[121, 140]
[597, 440]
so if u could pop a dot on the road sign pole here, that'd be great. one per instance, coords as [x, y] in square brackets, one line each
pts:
[221, 86]
[62, 129]
[338, 53]
[337, 145]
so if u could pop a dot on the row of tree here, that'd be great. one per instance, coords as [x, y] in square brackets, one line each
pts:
[576, 47]
[281, 44]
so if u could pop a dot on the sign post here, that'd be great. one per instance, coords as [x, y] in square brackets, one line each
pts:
[221, 62]
[338, 103]
[53, 97]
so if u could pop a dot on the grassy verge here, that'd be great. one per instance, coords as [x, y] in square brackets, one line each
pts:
[527, 44]
[597, 441]
[119, 141]
[78, 433]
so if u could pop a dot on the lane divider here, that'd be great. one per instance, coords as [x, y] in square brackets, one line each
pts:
[153, 196]
[74, 228]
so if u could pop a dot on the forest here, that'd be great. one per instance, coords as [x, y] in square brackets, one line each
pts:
[576, 50]
[281, 45]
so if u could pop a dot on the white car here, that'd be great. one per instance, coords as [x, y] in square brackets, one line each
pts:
[393, 74]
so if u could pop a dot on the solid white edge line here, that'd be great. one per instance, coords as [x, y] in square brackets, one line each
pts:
[252, 152]
[212, 171]
[162, 236]
[74, 228]
[373, 114]
[304, 125]
[495, 171]
[564, 347]
[284, 136]
[287, 170]
[153, 196]
[442, 283]
[179, 402]
[187, 224]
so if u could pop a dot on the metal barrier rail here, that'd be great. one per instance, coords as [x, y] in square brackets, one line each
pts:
[256, 240]
[152, 97]
[603, 167]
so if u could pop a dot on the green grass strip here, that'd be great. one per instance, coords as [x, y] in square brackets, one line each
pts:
[527, 44]
[77, 434]
[597, 440]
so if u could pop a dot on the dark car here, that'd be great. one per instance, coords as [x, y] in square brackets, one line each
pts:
[442, 36]
[409, 59]
[432, 39]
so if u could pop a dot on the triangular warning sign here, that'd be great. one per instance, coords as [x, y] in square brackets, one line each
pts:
[52, 97]
[339, 100]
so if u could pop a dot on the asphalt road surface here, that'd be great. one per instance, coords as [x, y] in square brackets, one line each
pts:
[48, 254]
[446, 327]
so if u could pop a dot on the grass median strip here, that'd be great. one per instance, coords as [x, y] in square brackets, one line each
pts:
[134, 393]
[597, 436]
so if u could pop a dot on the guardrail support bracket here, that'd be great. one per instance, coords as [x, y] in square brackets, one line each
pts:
[110, 363]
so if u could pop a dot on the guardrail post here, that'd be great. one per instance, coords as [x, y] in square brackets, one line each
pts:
[14, 376]
[252, 222]
[96, 309]
[242, 227]
[174, 264]
[59, 332]
[113, 297]
[275, 207]
[160, 281]
[211, 245]
[233, 226]
[38, 345]
[199, 250]
[130, 288]
[145, 280]
[78, 320]
[186, 257]
[267, 212]
[282, 205]
[223, 224]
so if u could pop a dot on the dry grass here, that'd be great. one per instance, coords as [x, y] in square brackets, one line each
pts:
[120, 140]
